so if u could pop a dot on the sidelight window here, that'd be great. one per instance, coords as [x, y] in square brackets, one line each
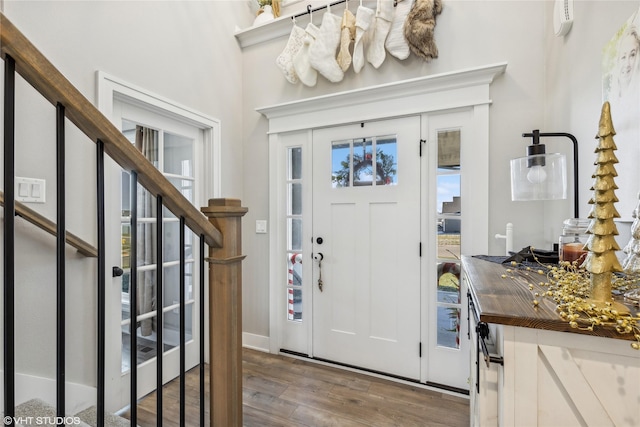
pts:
[294, 234]
[449, 220]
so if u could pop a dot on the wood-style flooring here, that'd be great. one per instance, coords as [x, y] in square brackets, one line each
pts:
[285, 391]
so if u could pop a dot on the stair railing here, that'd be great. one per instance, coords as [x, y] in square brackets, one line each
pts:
[21, 57]
[40, 221]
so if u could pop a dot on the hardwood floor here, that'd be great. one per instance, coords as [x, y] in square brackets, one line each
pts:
[283, 391]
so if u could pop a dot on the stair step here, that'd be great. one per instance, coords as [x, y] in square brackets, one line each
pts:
[37, 412]
[89, 416]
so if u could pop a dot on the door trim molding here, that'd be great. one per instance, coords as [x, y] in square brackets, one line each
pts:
[110, 88]
[467, 88]
[437, 92]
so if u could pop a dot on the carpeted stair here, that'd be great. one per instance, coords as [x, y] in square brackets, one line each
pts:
[36, 412]
[89, 417]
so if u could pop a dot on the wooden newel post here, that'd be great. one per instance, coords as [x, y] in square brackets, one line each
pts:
[225, 313]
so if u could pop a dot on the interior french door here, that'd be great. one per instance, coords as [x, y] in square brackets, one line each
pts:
[366, 246]
[173, 147]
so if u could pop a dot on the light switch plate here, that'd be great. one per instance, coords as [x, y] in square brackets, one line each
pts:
[261, 226]
[30, 190]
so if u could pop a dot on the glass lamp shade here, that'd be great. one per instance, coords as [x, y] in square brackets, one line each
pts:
[539, 177]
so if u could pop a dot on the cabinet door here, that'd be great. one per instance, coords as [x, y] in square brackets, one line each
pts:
[483, 384]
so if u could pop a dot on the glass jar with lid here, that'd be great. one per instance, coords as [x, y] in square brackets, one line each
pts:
[574, 237]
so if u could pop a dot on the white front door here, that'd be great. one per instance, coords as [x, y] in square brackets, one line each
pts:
[366, 246]
[173, 147]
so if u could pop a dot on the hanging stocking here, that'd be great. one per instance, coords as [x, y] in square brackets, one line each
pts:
[322, 54]
[301, 65]
[382, 25]
[364, 16]
[396, 44]
[285, 59]
[419, 28]
[347, 35]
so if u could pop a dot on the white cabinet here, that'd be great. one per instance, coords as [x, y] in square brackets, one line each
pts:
[484, 391]
[549, 377]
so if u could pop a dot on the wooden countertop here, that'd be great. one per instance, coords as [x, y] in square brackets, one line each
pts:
[509, 301]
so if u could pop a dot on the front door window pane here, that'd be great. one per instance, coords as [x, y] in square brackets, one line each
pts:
[363, 161]
[341, 164]
[386, 155]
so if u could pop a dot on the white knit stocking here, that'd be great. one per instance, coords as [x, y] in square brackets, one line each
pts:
[322, 54]
[396, 44]
[382, 25]
[301, 65]
[347, 35]
[285, 59]
[364, 16]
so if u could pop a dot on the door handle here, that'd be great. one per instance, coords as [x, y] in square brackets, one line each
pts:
[116, 271]
[319, 257]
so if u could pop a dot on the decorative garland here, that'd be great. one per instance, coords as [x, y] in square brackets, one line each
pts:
[568, 286]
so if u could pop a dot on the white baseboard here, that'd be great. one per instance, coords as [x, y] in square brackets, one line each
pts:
[77, 396]
[255, 342]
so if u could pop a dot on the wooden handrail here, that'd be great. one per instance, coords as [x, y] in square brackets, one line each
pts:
[50, 227]
[46, 79]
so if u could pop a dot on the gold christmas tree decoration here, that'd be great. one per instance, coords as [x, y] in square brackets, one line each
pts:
[601, 261]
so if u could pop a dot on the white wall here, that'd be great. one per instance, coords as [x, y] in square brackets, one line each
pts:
[182, 51]
[574, 92]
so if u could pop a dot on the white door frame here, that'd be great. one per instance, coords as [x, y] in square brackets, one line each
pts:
[467, 88]
[109, 89]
